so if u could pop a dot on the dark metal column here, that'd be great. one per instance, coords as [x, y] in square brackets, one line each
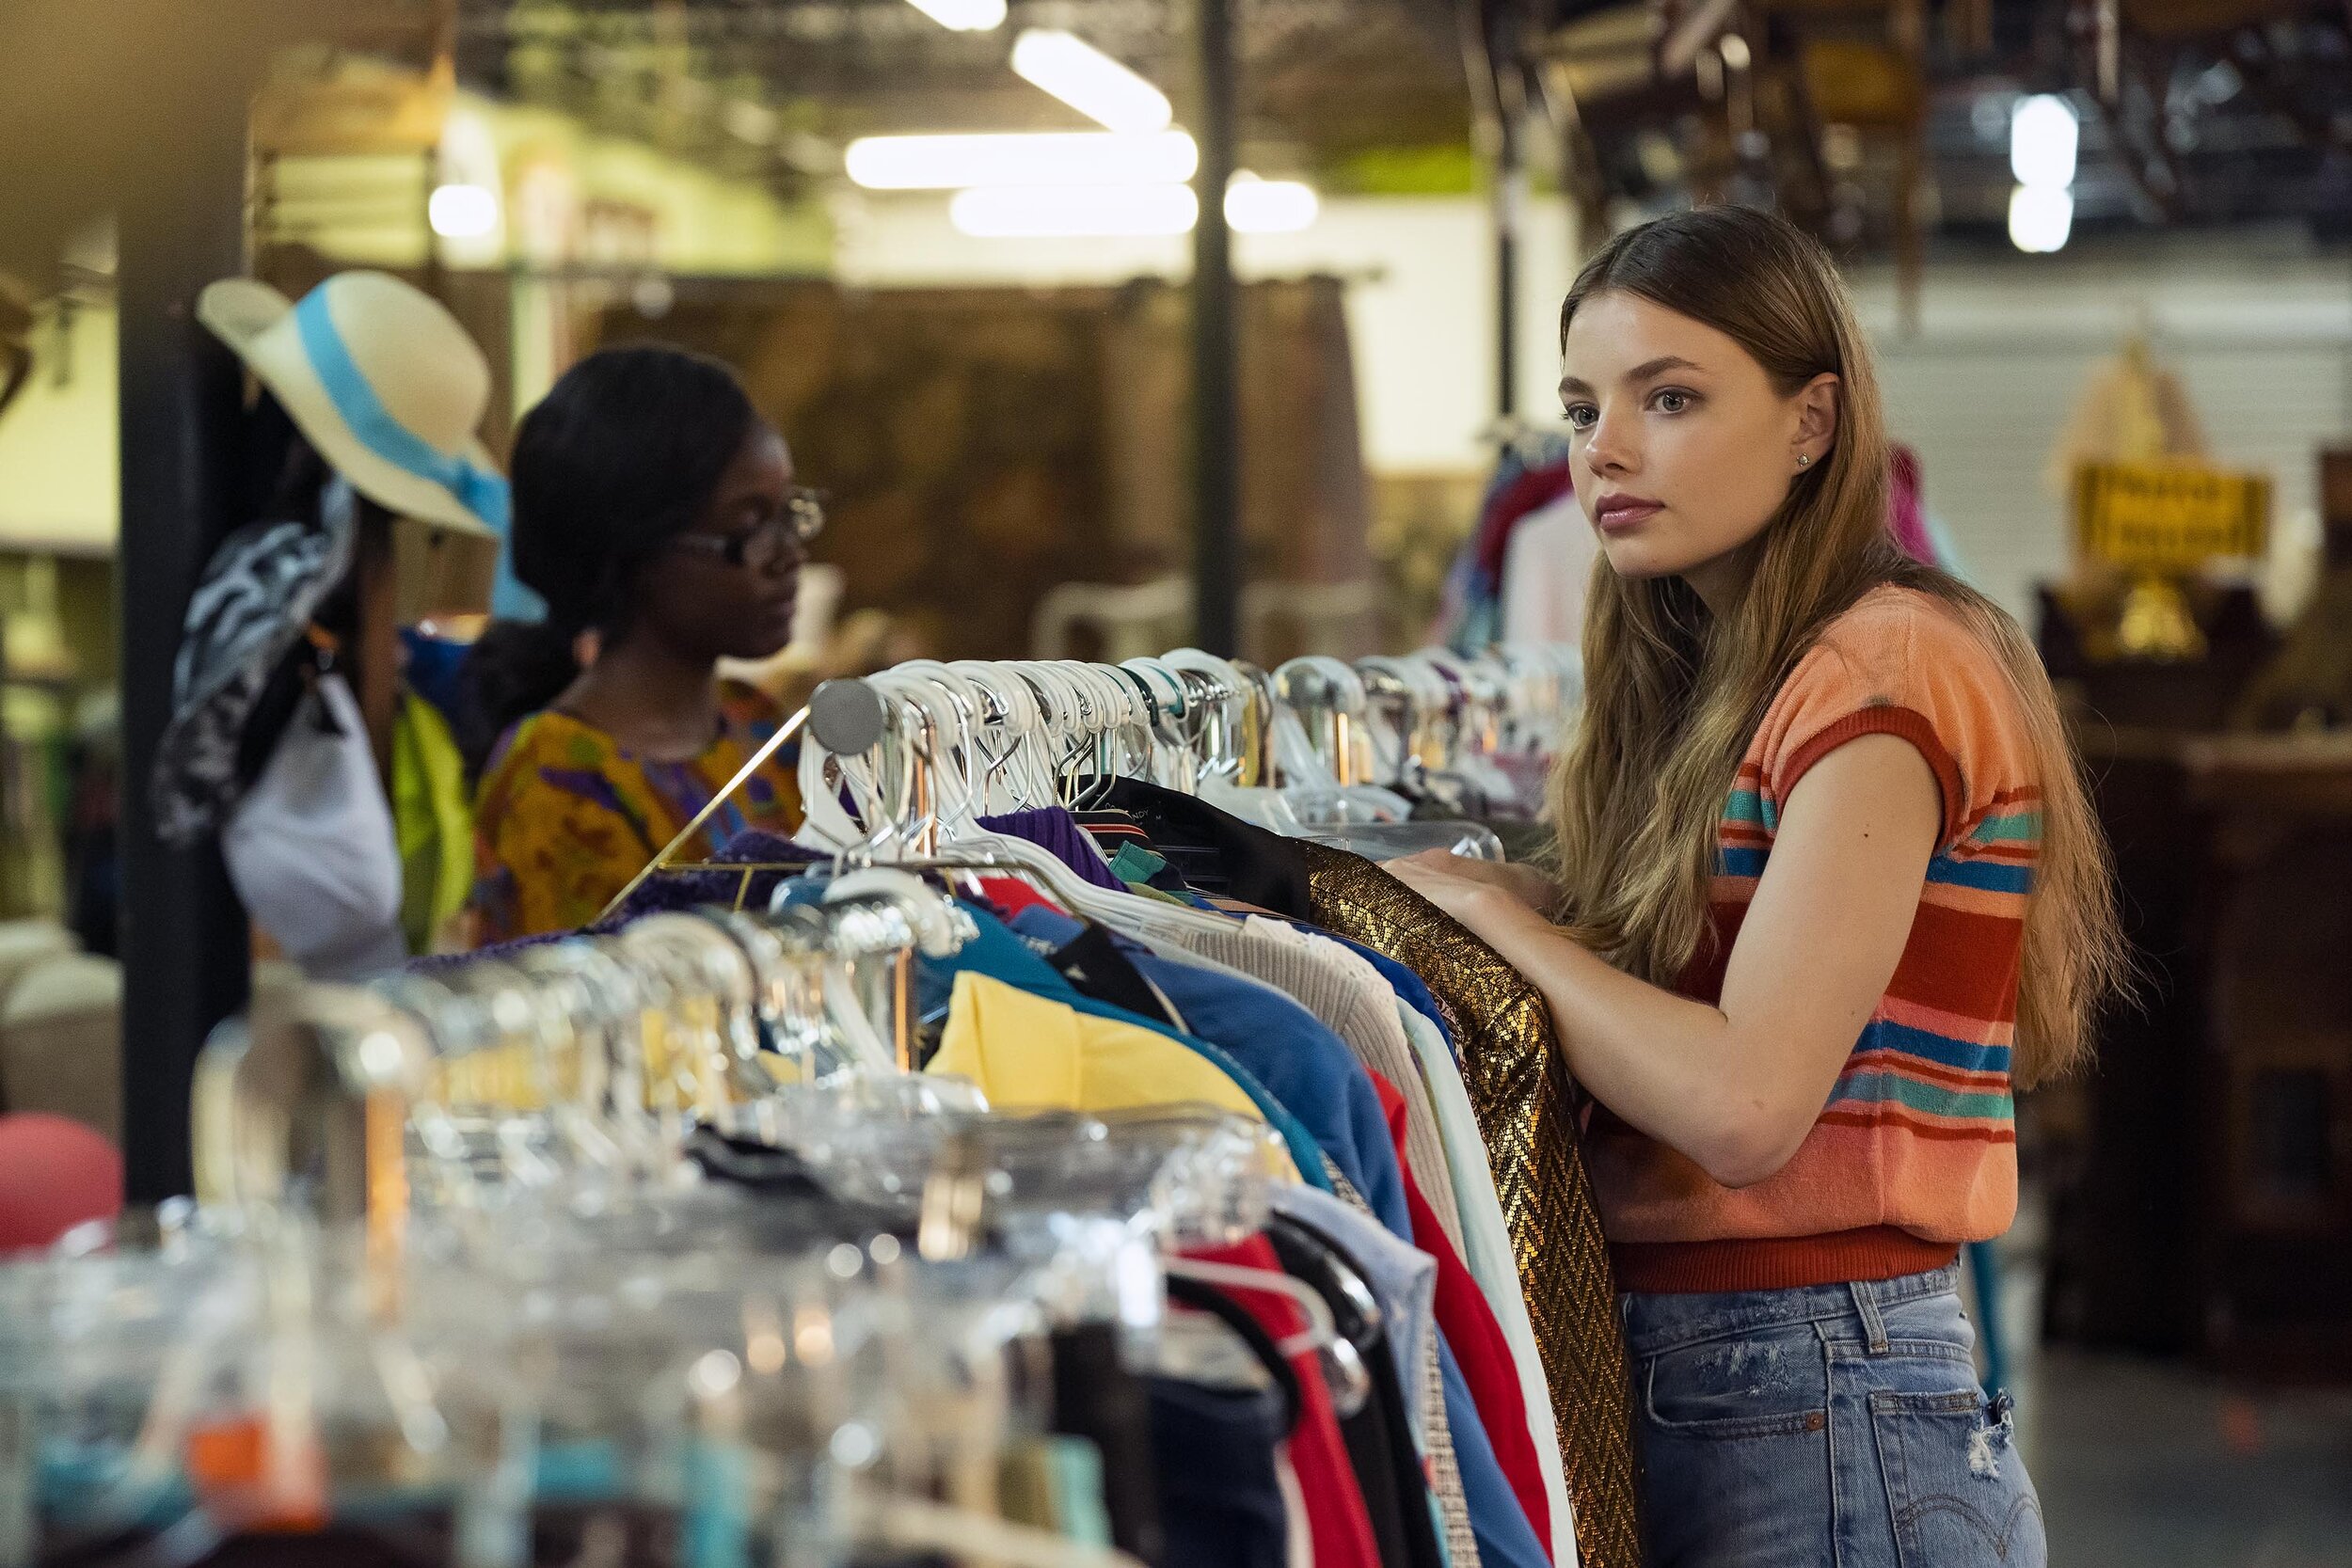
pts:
[1499, 136]
[1510, 210]
[185, 952]
[1216, 375]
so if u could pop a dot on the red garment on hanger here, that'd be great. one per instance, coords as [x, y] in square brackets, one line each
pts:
[1536, 487]
[1335, 1504]
[1479, 1348]
[1010, 895]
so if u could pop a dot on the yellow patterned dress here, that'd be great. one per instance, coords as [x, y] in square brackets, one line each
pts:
[565, 816]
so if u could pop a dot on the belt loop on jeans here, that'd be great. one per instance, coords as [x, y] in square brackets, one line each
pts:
[1865, 1306]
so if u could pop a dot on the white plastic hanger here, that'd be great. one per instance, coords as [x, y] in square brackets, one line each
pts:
[1327, 690]
[1064, 710]
[1392, 733]
[948, 714]
[929, 715]
[825, 824]
[1168, 707]
[1350, 1383]
[1220, 785]
[1108, 708]
[921, 776]
[1477, 726]
[1222, 698]
[1006, 739]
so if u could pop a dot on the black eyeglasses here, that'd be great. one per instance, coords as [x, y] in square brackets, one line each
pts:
[802, 519]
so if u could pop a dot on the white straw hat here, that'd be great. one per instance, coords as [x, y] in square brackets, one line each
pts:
[383, 381]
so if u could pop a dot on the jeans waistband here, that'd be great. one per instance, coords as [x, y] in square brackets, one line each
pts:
[1659, 1323]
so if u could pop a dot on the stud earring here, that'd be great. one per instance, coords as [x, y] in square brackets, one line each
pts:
[1804, 459]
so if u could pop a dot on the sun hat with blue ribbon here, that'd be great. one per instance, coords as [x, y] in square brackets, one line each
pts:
[384, 382]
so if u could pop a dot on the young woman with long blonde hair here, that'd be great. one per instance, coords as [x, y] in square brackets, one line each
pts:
[1829, 885]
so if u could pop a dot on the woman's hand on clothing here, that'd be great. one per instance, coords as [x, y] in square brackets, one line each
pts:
[1449, 880]
[1737, 1086]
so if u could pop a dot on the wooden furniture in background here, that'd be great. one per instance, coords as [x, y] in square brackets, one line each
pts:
[2207, 1207]
[981, 446]
[2271, 1252]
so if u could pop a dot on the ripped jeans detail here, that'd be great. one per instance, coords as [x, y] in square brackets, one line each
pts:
[1827, 1426]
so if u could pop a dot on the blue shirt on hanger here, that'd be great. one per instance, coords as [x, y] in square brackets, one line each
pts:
[1000, 954]
[1283, 1046]
[1313, 1074]
[1505, 1536]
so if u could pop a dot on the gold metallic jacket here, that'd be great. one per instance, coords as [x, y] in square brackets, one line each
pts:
[1520, 1090]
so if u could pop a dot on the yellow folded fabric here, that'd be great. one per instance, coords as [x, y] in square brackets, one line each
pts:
[1027, 1052]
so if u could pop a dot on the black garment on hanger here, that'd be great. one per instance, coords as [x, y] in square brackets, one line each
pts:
[1379, 1436]
[1092, 962]
[1208, 1298]
[1218, 851]
[1114, 830]
[1220, 1502]
[1439, 797]
[749, 1163]
[795, 1206]
[1097, 1398]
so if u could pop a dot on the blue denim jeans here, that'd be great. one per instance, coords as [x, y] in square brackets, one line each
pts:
[1834, 1426]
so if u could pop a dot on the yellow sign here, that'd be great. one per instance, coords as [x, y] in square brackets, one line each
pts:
[2153, 519]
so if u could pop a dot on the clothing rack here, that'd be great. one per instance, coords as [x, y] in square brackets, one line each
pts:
[1335, 736]
[760, 1222]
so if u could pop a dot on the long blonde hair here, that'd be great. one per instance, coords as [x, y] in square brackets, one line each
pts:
[1674, 694]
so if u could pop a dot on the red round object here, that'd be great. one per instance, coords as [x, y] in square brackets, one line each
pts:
[55, 1173]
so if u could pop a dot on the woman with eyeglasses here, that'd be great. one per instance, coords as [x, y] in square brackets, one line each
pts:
[656, 512]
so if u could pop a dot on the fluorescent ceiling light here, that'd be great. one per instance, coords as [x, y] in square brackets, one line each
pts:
[462, 211]
[1255, 206]
[2043, 137]
[2039, 218]
[1048, 158]
[1074, 212]
[1089, 80]
[1252, 206]
[963, 16]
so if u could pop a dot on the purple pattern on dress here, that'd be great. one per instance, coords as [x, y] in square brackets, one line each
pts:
[435, 963]
[589, 784]
[671, 891]
[686, 889]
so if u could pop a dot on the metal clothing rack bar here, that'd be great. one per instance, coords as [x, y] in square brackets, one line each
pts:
[842, 712]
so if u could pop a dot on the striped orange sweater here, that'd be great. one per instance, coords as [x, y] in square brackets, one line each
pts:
[1915, 1151]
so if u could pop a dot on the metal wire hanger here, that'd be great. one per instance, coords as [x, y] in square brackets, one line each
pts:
[844, 716]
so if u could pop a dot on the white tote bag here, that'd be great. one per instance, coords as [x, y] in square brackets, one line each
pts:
[312, 848]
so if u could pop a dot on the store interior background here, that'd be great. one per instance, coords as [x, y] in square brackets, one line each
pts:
[2175, 1307]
